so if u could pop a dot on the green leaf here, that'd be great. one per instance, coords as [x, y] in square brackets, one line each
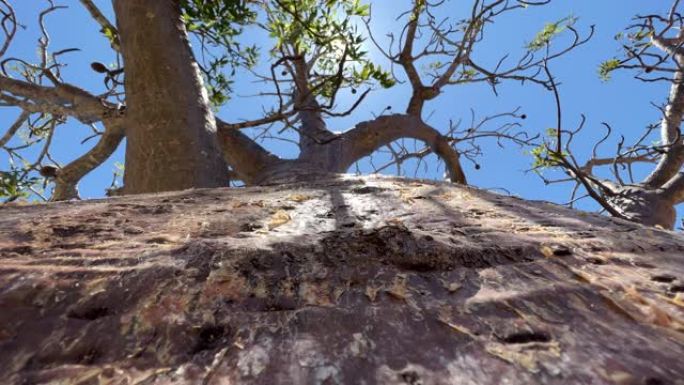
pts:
[550, 30]
[607, 67]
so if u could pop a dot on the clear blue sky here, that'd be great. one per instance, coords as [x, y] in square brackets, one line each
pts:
[623, 102]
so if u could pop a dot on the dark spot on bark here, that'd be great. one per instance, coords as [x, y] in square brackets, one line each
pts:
[155, 210]
[596, 261]
[644, 265]
[526, 337]
[200, 256]
[66, 231]
[281, 304]
[654, 381]
[23, 250]
[133, 230]
[249, 227]
[561, 251]
[70, 246]
[260, 263]
[367, 190]
[429, 238]
[663, 278]
[677, 288]
[159, 240]
[108, 372]
[89, 357]
[89, 314]
[209, 336]
[410, 377]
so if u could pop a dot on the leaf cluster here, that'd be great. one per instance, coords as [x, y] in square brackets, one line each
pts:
[326, 32]
[550, 31]
[14, 184]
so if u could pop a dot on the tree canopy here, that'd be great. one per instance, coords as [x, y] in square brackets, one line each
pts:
[175, 65]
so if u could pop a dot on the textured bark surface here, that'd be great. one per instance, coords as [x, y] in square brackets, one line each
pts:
[341, 281]
[170, 129]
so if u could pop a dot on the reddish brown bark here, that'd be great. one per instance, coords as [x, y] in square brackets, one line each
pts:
[344, 281]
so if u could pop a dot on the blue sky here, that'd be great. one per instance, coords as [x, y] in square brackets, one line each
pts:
[623, 102]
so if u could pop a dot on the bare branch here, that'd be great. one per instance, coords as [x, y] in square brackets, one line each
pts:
[674, 189]
[8, 24]
[67, 177]
[14, 128]
[367, 137]
[63, 99]
[671, 136]
[247, 158]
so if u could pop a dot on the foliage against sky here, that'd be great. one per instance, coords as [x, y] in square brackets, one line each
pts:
[620, 101]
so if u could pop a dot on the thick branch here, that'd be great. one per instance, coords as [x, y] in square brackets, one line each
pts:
[596, 162]
[272, 118]
[672, 46]
[8, 24]
[247, 158]
[312, 128]
[674, 189]
[407, 61]
[406, 56]
[63, 99]
[369, 136]
[14, 128]
[68, 177]
[672, 160]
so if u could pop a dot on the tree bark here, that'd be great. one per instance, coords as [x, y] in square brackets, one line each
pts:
[171, 131]
[339, 281]
[644, 206]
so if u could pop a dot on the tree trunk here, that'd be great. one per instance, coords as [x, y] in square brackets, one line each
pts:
[341, 281]
[644, 206]
[171, 132]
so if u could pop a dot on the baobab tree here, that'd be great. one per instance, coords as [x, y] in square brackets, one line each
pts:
[159, 96]
[652, 47]
[335, 280]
